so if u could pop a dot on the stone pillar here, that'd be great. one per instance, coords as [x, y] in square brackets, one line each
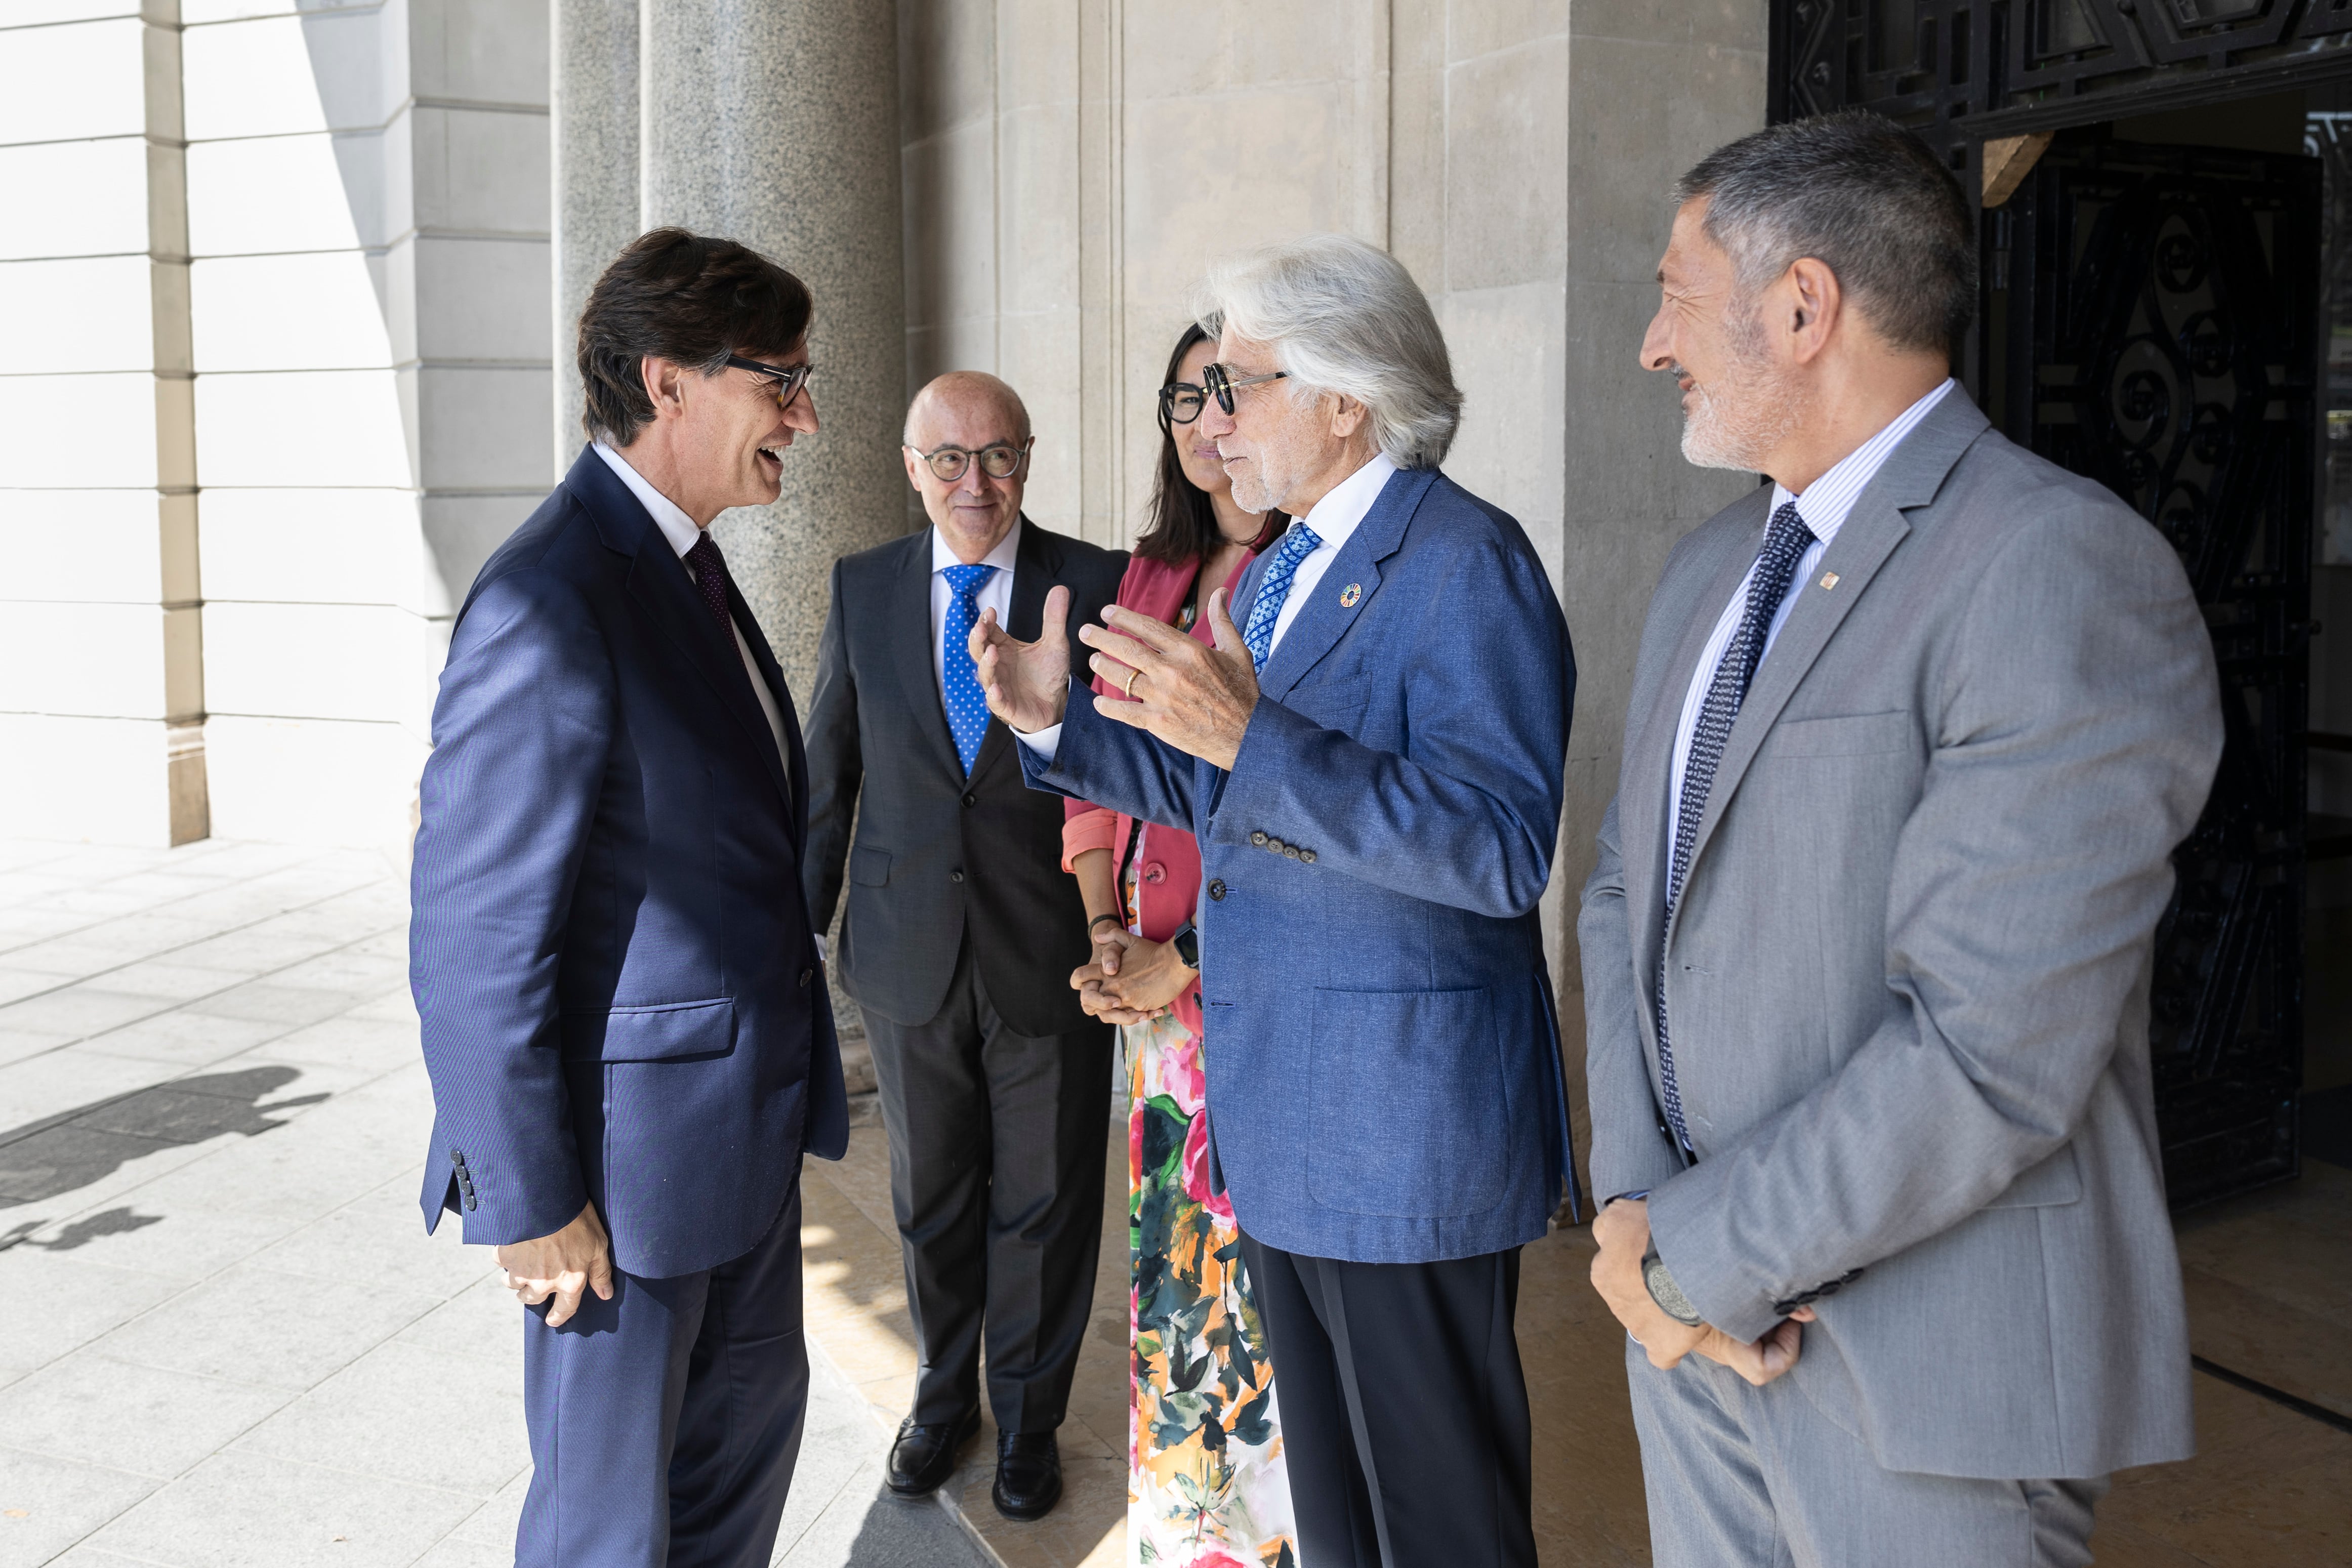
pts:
[594, 135]
[777, 124]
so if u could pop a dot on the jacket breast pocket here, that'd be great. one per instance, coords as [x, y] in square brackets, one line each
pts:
[1335, 704]
[1409, 1117]
[1845, 735]
[661, 1031]
[868, 867]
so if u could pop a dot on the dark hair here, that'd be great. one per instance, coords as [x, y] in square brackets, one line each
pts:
[1865, 197]
[1182, 519]
[686, 299]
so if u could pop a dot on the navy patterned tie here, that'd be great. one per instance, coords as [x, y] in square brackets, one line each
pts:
[709, 569]
[1785, 543]
[1297, 545]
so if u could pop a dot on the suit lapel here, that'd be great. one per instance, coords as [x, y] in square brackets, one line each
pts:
[1643, 813]
[792, 774]
[1914, 471]
[663, 587]
[1324, 619]
[906, 626]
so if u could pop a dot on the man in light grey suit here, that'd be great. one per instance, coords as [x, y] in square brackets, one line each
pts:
[1914, 732]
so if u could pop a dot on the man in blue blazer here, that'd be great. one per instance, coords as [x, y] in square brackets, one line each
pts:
[624, 1016]
[1373, 763]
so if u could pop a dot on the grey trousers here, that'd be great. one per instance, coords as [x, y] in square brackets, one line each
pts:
[997, 1146]
[1739, 1476]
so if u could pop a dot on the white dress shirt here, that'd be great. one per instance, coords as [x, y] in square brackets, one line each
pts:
[1335, 520]
[996, 594]
[1823, 509]
[680, 531]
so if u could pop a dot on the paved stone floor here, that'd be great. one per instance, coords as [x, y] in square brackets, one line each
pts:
[224, 1340]
[224, 1336]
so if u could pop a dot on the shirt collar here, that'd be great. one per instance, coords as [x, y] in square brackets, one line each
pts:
[668, 516]
[1347, 503]
[1001, 557]
[1829, 499]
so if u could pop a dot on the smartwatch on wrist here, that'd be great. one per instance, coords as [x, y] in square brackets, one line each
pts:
[1187, 943]
[1665, 1292]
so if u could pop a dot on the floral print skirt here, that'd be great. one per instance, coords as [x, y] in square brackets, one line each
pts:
[1206, 1486]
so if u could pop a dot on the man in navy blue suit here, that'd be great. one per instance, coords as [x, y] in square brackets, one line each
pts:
[623, 1014]
[1372, 761]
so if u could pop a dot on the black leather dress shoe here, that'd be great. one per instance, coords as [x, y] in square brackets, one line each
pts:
[1028, 1474]
[924, 1455]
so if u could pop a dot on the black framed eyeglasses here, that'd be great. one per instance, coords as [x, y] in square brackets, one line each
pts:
[998, 460]
[1180, 402]
[783, 382]
[1219, 382]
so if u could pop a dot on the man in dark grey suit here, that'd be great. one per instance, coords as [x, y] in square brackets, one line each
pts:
[959, 941]
[1914, 732]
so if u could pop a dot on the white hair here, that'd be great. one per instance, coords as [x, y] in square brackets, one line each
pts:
[1343, 316]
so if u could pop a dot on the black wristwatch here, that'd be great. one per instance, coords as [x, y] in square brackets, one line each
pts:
[1665, 1292]
[1187, 943]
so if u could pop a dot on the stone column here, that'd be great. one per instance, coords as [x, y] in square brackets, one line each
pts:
[594, 114]
[776, 123]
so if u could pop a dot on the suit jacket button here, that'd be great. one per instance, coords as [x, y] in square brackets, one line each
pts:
[1275, 845]
[807, 975]
[1308, 856]
[457, 1157]
[956, 875]
[1217, 890]
[1291, 851]
[470, 1204]
[969, 798]
[1258, 839]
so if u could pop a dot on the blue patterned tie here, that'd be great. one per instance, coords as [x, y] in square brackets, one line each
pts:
[966, 704]
[1785, 543]
[1275, 587]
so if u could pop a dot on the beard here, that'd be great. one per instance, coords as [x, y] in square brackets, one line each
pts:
[1743, 414]
[1267, 480]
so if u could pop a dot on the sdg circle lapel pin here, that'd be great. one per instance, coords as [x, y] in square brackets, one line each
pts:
[1349, 594]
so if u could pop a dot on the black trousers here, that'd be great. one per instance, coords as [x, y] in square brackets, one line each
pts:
[1404, 1413]
[997, 1143]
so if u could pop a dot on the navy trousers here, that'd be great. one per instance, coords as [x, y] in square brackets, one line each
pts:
[1404, 1413]
[664, 1422]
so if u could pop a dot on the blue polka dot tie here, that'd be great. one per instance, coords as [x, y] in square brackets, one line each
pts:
[1785, 543]
[966, 705]
[1274, 588]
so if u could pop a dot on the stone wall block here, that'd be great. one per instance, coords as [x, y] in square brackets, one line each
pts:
[593, 137]
[1507, 166]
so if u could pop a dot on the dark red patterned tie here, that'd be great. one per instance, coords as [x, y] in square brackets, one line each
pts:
[709, 570]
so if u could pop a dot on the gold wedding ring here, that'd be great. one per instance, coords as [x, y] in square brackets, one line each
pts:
[1128, 689]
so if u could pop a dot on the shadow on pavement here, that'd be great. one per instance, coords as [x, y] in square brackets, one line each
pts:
[64, 1153]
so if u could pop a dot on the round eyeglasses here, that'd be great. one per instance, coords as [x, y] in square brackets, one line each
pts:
[782, 382]
[1180, 402]
[998, 460]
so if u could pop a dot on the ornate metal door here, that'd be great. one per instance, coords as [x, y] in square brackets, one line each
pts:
[2152, 323]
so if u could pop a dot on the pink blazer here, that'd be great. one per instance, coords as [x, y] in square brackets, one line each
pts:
[1168, 869]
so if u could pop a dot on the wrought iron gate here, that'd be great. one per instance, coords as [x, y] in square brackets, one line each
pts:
[2151, 320]
[2153, 324]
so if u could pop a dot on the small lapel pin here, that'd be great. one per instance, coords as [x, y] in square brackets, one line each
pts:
[1829, 580]
[1349, 594]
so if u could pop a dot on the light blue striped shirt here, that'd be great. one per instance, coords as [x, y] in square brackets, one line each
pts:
[1823, 507]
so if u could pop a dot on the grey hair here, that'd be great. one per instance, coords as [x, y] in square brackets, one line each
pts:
[1343, 316]
[1865, 197]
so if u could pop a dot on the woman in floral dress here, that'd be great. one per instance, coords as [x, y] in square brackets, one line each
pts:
[1206, 1486]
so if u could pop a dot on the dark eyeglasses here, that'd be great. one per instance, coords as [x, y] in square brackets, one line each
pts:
[1180, 402]
[1219, 382]
[783, 382]
[999, 461]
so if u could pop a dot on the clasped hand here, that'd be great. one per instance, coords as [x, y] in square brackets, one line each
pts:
[1621, 1231]
[1131, 980]
[1197, 698]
